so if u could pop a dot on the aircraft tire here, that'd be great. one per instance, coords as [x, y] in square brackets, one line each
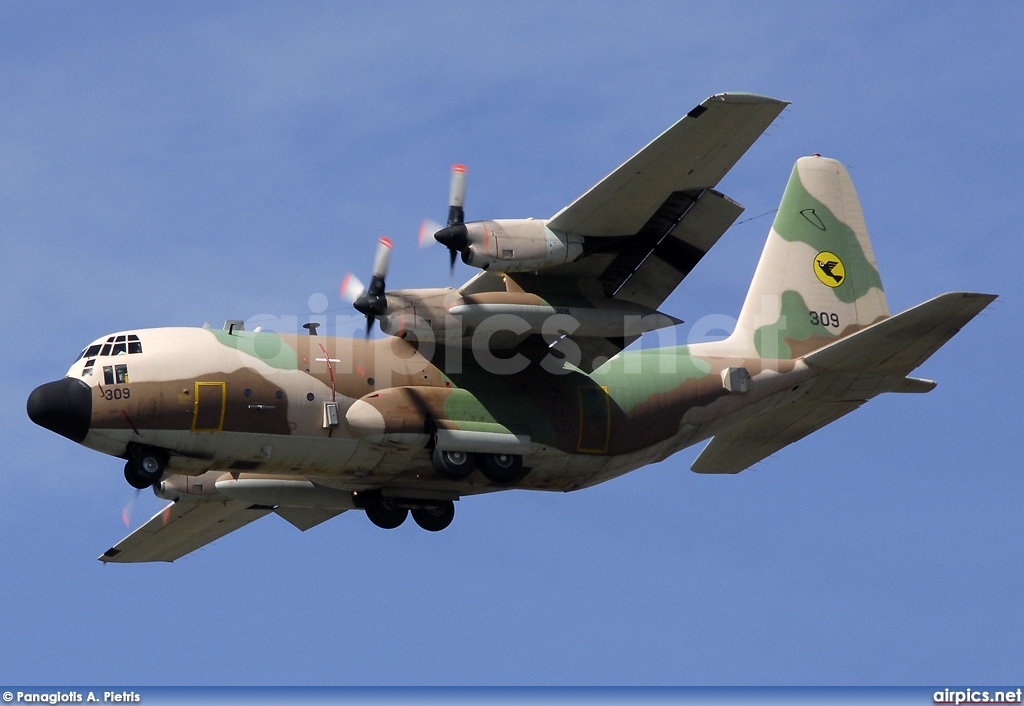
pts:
[453, 464]
[386, 516]
[502, 469]
[435, 518]
[133, 480]
[145, 467]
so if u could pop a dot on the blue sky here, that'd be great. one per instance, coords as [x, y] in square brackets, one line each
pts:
[180, 163]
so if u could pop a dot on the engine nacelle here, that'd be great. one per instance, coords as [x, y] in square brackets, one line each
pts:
[521, 245]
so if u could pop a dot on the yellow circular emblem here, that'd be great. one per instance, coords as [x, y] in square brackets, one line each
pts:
[829, 269]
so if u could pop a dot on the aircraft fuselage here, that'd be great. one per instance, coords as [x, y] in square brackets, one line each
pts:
[260, 402]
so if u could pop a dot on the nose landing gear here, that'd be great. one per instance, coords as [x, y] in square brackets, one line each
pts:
[145, 466]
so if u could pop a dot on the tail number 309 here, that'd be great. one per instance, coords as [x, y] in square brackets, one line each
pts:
[825, 318]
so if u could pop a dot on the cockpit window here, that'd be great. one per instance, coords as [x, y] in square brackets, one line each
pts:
[124, 344]
[118, 345]
[91, 352]
[115, 374]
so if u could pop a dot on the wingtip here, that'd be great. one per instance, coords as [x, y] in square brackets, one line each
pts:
[980, 299]
[741, 97]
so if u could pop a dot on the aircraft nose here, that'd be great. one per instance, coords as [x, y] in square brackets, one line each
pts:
[62, 406]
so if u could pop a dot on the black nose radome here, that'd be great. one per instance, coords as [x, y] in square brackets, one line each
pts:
[63, 406]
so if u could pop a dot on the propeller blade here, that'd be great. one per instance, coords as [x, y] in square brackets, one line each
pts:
[457, 196]
[352, 288]
[373, 302]
[129, 509]
[427, 230]
[383, 258]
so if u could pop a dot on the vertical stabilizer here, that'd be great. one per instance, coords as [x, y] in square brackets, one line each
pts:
[817, 279]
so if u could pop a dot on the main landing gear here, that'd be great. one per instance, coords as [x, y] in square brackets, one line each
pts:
[145, 466]
[389, 513]
[500, 469]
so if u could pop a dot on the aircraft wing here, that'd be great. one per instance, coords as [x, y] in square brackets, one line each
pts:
[182, 527]
[648, 223]
[692, 155]
[191, 523]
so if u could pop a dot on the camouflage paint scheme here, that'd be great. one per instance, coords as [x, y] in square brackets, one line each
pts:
[814, 340]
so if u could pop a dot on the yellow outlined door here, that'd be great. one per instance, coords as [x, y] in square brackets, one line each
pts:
[595, 419]
[211, 401]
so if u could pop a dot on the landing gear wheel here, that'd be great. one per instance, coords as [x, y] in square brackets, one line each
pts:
[145, 466]
[385, 515]
[453, 464]
[436, 517]
[502, 469]
[133, 480]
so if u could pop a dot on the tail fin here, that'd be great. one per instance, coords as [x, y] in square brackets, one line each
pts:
[817, 279]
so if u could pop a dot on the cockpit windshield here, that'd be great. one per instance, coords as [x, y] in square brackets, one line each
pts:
[124, 344]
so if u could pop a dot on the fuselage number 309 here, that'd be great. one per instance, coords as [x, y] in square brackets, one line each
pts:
[116, 393]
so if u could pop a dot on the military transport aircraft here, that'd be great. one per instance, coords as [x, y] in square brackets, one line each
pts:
[518, 378]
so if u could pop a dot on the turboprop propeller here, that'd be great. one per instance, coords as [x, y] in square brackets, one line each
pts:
[370, 301]
[454, 235]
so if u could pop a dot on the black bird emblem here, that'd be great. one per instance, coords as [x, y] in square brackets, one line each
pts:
[827, 266]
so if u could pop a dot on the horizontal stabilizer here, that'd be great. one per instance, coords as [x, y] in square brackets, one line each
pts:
[901, 343]
[744, 445]
[867, 363]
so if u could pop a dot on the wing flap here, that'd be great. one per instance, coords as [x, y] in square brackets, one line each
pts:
[183, 527]
[693, 154]
[677, 253]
